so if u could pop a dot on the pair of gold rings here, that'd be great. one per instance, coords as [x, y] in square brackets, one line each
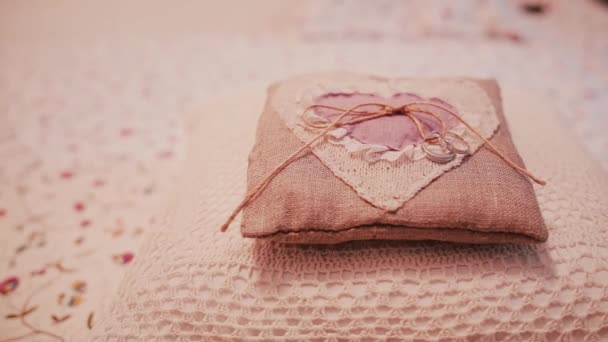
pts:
[444, 148]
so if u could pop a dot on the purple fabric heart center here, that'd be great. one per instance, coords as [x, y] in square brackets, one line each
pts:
[395, 131]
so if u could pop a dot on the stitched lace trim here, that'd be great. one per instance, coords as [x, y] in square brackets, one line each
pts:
[373, 152]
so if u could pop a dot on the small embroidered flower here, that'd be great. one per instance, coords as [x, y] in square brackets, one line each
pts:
[67, 174]
[79, 206]
[79, 286]
[2, 212]
[75, 300]
[117, 232]
[9, 285]
[124, 258]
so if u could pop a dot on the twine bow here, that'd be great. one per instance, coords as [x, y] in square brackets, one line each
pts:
[444, 140]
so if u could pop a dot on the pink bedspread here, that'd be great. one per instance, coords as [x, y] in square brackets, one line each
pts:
[92, 105]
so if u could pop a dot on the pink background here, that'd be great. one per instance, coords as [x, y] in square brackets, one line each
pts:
[94, 100]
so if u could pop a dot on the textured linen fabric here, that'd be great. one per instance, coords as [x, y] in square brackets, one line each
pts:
[483, 200]
[193, 283]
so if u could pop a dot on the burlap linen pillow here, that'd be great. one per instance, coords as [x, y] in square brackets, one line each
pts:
[483, 200]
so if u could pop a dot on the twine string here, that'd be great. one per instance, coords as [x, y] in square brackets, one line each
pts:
[489, 144]
[360, 116]
[262, 185]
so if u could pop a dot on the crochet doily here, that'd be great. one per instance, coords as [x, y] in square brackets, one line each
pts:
[193, 283]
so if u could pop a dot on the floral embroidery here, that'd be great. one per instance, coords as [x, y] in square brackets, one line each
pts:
[9, 285]
[79, 206]
[75, 300]
[62, 204]
[67, 174]
[79, 286]
[124, 258]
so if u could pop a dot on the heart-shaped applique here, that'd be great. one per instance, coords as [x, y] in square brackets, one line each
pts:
[381, 159]
[395, 132]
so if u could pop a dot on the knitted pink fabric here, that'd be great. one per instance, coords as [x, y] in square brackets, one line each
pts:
[193, 283]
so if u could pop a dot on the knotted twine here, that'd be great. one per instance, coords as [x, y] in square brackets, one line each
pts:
[384, 110]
